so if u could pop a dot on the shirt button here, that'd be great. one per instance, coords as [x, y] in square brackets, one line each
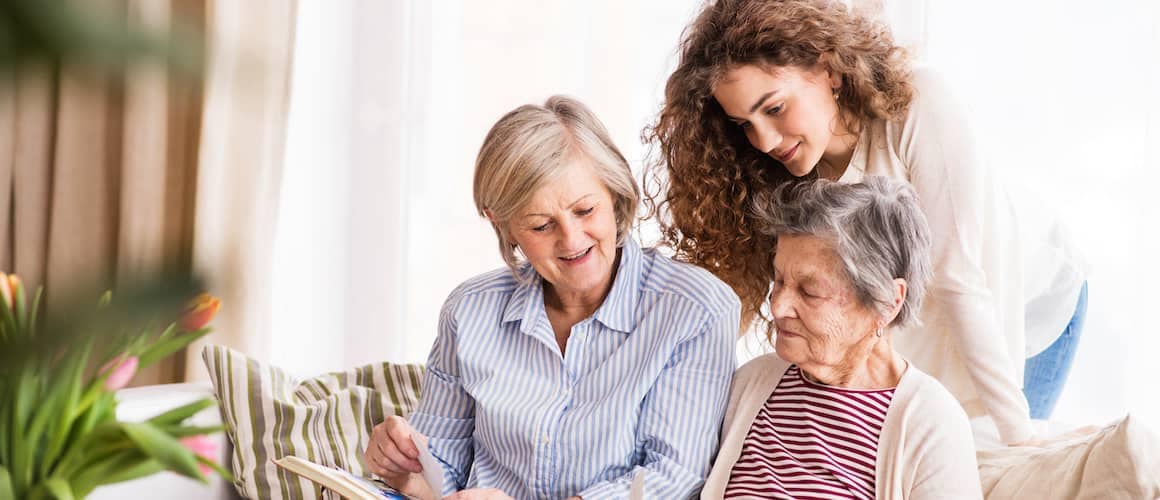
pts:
[546, 439]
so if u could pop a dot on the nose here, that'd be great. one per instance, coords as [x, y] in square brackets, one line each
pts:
[763, 137]
[781, 304]
[571, 235]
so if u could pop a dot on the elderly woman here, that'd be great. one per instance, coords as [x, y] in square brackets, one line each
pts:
[836, 412]
[586, 365]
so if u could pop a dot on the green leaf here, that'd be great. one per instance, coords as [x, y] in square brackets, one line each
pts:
[225, 474]
[179, 431]
[145, 468]
[179, 414]
[61, 403]
[102, 472]
[168, 331]
[20, 312]
[6, 491]
[163, 447]
[169, 346]
[59, 488]
[34, 313]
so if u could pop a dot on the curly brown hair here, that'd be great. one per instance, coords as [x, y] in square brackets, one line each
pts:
[702, 183]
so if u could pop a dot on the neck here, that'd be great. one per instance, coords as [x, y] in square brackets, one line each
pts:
[839, 152]
[580, 304]
[871, 364]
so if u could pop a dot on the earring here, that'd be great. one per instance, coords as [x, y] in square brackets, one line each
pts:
[836, 94]
[879, 332]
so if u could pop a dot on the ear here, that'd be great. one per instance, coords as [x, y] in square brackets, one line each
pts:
[824, 66]
[500, 228]
[900, 289]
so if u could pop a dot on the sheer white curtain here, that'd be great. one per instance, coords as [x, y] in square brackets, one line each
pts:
[1067, 96]
[390, 103]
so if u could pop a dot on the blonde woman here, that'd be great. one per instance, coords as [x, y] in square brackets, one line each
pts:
[588, 361]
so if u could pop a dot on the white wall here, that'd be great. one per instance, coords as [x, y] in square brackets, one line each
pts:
[392, 99]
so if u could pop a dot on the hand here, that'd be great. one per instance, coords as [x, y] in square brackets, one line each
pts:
[478, 494]
[391, 453]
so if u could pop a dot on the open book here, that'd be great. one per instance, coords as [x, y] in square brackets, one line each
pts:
[339, 481]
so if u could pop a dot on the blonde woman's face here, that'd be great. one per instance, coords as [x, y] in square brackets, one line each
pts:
[568, 232]
[788, 113]
[819, 320]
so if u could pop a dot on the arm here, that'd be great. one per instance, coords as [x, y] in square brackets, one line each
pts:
[946, 466]
[681, 415]
[952, 183]
[446, 413]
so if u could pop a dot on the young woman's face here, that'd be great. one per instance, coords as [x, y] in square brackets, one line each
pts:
[788, 113]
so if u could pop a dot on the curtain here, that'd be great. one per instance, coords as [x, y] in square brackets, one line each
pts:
[239, 170]
[96, 168]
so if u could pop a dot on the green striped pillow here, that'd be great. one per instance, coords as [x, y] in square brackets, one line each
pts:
[269, 414]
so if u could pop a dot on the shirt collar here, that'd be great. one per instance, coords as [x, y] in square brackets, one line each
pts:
[618, 311]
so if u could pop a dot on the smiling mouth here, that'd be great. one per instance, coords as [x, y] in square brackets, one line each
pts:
[786, 156]
[578, 255]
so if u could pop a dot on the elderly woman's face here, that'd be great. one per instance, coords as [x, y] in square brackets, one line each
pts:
[568, 231]
[818, 317]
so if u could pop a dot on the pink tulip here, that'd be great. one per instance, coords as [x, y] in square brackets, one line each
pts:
[123, 368]
[204, 447]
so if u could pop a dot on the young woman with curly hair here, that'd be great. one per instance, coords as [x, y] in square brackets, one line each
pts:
[769, 92]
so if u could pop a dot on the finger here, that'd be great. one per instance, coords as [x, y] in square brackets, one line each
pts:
[401, 435]
[386, 466]
[397, 459]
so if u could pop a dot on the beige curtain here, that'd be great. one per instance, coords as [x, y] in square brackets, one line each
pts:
[243, 137]
[105, 175]
[96, 169]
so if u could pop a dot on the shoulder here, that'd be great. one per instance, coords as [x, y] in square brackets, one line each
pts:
[936, 105]
[690, 283]
[927, 409]
[483, 286]
[762, 368]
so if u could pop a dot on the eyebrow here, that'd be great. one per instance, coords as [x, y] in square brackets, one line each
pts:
[578, 200]
[761, 100]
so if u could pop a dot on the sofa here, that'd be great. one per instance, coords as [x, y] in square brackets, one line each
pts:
[141, 403]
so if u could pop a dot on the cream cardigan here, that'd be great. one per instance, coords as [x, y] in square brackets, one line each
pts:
[991, 260]
[925, 450]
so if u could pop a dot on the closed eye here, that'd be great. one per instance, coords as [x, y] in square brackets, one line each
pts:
[585, 211]
[542, 228]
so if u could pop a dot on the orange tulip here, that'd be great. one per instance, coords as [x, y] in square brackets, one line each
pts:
[6, 288]
[200, 312]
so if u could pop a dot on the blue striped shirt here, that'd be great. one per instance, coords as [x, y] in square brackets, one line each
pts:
[641, 388]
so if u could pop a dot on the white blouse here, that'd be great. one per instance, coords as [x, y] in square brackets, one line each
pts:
[991, 263]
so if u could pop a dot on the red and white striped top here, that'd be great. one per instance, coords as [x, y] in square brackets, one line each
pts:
[811, 441]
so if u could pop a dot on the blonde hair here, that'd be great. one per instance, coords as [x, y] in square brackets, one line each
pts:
[530, 147]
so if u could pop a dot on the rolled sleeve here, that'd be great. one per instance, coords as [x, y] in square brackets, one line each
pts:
[446, 412]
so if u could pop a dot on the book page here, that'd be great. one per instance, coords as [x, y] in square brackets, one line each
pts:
[432, 469]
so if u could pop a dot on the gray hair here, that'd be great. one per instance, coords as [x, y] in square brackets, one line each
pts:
[530, 146]
[876, 227]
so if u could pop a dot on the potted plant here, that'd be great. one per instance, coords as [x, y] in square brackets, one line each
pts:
[59, 435]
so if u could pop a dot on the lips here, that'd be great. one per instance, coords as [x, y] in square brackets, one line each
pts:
[788, 155]
[577, 256]
[787, 333]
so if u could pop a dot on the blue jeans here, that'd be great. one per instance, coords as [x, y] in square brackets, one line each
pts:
[1045, 373]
